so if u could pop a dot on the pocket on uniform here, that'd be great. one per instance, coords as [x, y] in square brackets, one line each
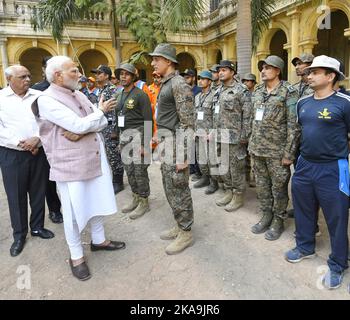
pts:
[180, 179]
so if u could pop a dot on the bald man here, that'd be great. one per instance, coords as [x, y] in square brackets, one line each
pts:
[23, 163]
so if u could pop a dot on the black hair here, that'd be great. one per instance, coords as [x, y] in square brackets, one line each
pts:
[336, 78]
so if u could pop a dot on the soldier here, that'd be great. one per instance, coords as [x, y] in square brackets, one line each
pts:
[107, 91]
[133, 110]
[215, 74]
[273, 144]
[249, 80]
[232, 119]
[175, 111]
[190, 78]
[204, 124]
[303, 88]
[300, 64]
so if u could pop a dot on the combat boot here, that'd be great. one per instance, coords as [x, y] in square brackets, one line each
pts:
[202, 182]
[226, 199]
[275, 230]
[170, 234]
[133, 205]
[183, 240]
[141, 209]
[263, 224]
[213, 186]
[236, 202]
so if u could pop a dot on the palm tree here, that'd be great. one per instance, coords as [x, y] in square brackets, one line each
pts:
[253, 17]
[147, 20]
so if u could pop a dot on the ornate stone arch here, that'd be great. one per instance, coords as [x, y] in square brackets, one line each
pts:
[97, 47]
[23, 47]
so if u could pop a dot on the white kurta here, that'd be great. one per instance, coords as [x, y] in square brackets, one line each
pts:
[82, 200]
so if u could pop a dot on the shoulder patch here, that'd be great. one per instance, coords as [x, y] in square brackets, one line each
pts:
[291, 88]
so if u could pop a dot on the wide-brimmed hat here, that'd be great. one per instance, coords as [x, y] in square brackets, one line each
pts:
[324, 61]
[273, 61]
[166, 51]
[126, 67]
[304, 58]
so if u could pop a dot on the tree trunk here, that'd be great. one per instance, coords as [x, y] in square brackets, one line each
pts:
[244, 36]
[115, 34]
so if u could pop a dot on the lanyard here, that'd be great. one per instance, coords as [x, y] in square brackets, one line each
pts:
[122, 101]
[201, 101]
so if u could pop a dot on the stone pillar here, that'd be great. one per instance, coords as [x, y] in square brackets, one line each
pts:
[260, 55]
[347, 35]
[308, 45]
[294, 46]
[64, 47]
[289, 67]
[4, 58]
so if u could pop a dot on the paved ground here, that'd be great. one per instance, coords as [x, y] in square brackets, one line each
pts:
[226, 262]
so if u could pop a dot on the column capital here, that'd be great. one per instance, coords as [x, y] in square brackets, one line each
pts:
[347, 33]
[295, 13]
[3, 40]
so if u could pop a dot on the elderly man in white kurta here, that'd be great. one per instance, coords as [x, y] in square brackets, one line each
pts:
[69, 128]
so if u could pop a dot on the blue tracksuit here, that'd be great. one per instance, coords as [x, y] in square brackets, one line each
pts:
[321, 177]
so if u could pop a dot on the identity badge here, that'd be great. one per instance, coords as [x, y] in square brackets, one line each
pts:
[200, 115]
[121, 121]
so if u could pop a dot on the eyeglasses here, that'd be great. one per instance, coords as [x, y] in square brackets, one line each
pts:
[25, 76]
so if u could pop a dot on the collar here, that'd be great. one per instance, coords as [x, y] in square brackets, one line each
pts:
[9, 92]
[274, 91]
[168, 77]
[62, 89]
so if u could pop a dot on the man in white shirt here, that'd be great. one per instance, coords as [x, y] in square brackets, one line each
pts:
[69, 129]
[22, 159]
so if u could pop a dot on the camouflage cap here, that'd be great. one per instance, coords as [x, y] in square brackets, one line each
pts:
[214, 68]
[205, 75]
[188, 72]
[127, 67]
[304, 57]
[249, 76]
[273, 61]
[227, 64]
[166, 51]
[103, 69]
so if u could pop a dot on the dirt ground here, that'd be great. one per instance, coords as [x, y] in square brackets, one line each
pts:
[227, 261]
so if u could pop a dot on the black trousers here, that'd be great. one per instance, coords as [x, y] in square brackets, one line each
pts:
[24, 174]
[52, 199]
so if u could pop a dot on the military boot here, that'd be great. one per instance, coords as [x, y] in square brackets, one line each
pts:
[263, 224]
[213, 186]
[226, 199]
[183, 240]
[133, 205]
[170, 234]
[141, 209]
[275, 230]
[202, 182]
[236, 202]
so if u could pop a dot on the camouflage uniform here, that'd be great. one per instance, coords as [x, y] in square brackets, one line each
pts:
[274, 131]
[303, 89]
[232, 113]
[203, 126]
[175, 110]
[136, 110]
[112, 151]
